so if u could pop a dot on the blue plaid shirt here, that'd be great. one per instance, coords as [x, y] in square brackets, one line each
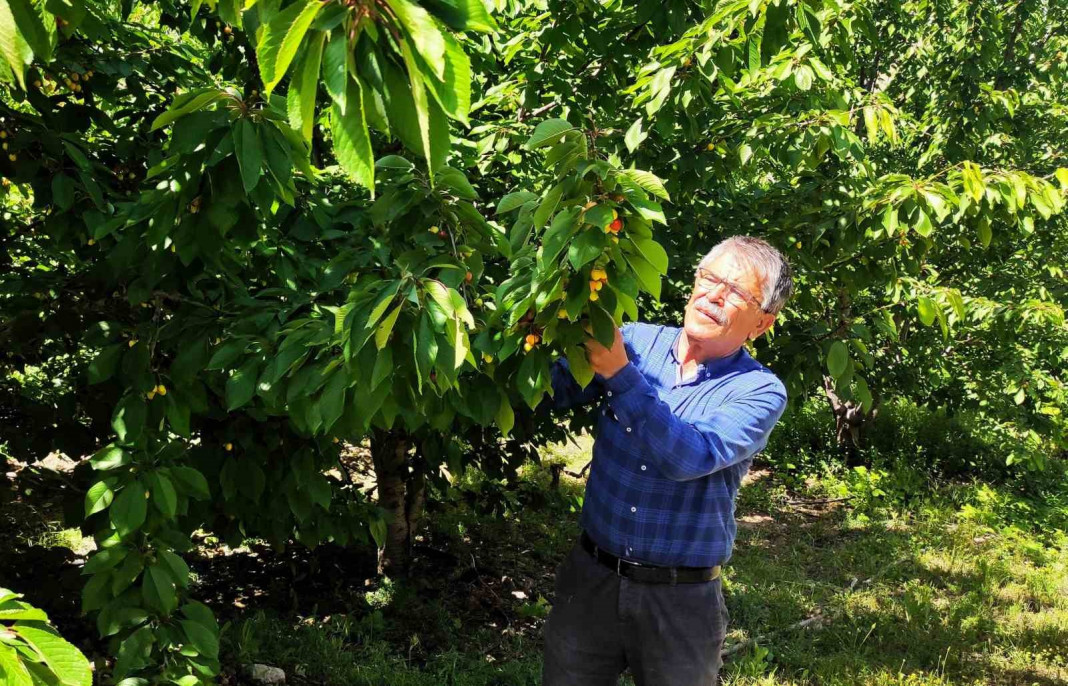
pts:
[670, 453]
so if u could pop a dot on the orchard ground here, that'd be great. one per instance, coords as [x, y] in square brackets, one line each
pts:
[873, 576]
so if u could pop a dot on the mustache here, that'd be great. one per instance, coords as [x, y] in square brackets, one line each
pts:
[717, 312]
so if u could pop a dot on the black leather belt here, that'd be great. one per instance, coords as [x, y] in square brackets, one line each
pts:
[648, 574]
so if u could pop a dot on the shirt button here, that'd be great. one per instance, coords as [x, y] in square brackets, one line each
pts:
[643, 468]
[628, 429]
[609, 394]
[633, 509]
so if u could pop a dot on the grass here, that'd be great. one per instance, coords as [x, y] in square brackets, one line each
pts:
[940, 590]
[897, 580]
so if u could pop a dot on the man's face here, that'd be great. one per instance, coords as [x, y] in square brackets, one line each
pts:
[718, 313]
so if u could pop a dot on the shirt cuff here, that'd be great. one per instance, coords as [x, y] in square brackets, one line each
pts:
[624, 380]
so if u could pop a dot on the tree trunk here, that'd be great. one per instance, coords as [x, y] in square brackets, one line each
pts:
[849, 421]
[402, 494]
[389, 452]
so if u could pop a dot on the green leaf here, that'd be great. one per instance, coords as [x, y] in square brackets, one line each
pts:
[532, 377]
[192, 482]
[386, 327]
[66, 662]
[109, 457]
[648, 210]
[419, 101]
[453, 91]
[336, 71]
[440, 294]
[647, 181]
[428, 39]
[99, 497]
[383, 365]
[13, 48]
[129, 508]
[249, 150]
[505, 415]
[579, 365]
[586, 248]
[923, 223]
[12, 610]
[928, 310]
[164, 495]
[227, 354]
[241, 385]
[803, 77]
[332, 400]
[128, 420]
[377, 527]
[604, 328]
[985, 234]
[463, 15]
[394, 162]
[653, 252]
[352, 141]
[561, 230]
[600, 216]
[12, 670]
[547, 132]
[406, 120]
[513, 201]
[456, 181]
[176, 567]
[104, 364]
[837, 359]
[871, 123]
[33, 31]
[158, 589]
[187, 103]
[548, 205]
[280, 39]
[634, 136]
[304, 86]
[62, 191]
[648, 276]
[178, 415]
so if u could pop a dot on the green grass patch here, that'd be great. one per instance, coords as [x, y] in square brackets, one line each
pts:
[949, 584]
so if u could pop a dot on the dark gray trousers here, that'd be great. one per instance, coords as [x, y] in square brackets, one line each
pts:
[602, 623]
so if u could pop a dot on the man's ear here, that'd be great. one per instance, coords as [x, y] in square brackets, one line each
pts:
[763, 324]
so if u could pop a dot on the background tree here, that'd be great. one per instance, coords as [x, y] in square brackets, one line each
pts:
[236, 234]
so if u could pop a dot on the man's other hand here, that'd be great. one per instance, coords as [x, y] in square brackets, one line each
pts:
[607, 361]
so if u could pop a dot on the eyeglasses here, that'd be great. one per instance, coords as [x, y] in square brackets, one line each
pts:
[736, 295]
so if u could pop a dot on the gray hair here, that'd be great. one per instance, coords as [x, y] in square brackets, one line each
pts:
[769, 262]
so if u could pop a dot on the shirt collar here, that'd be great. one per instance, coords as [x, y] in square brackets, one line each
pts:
[704, 369]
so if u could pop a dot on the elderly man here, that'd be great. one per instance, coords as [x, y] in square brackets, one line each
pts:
[683, 412]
